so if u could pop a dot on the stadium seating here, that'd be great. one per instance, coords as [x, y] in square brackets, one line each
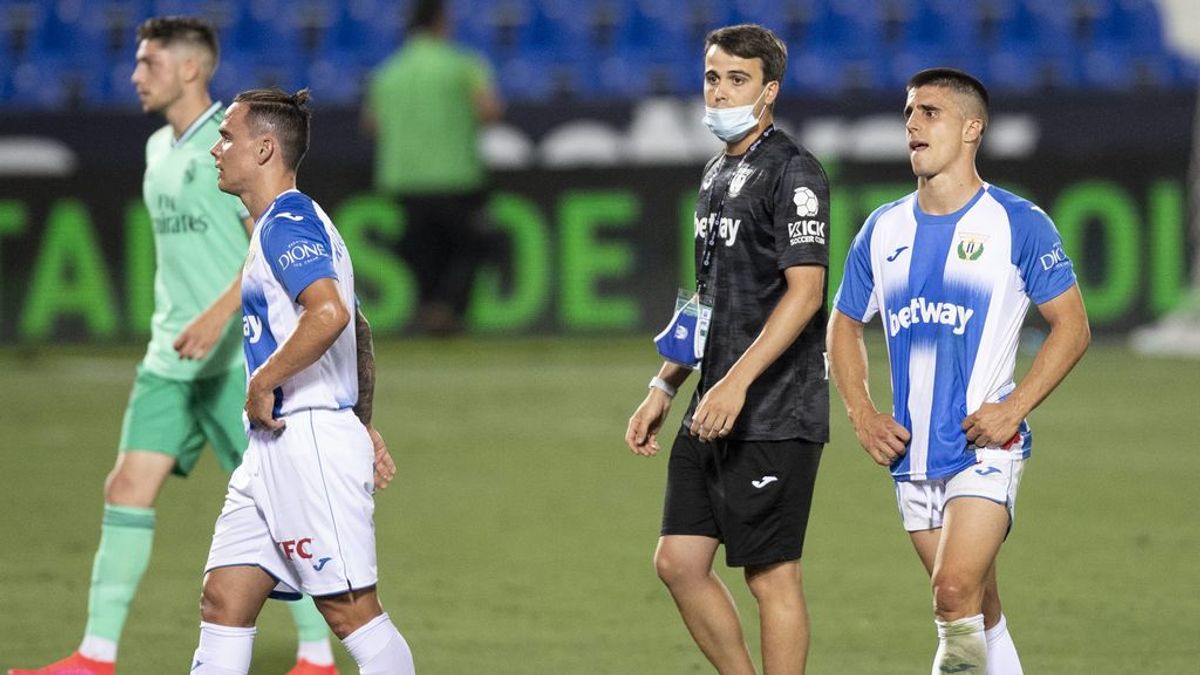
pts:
[57, 54]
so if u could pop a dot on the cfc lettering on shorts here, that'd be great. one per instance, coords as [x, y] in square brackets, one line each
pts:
[727, 229]
[297, 547]
[920, 310]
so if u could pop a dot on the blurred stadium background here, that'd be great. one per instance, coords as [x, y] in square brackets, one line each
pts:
[519, 535]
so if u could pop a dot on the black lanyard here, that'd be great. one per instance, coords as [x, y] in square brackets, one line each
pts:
[714, 221]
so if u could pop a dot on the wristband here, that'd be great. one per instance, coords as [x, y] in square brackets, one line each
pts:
[657, 382]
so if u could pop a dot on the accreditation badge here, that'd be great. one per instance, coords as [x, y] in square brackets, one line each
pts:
[682, 341]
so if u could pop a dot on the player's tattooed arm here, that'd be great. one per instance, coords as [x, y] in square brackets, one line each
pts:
[366, 368]
[385, 467]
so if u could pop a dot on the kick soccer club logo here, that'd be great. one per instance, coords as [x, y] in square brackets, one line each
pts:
[806, 202]
[970, 246]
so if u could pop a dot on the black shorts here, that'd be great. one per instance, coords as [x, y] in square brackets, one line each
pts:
[753, 496]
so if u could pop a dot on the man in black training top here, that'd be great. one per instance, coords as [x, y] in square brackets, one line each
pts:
[743, 466]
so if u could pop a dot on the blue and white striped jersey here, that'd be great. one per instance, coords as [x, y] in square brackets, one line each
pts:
[952, 291]
[294, 244]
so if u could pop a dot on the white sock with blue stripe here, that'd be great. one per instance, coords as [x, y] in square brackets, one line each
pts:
[223, 650]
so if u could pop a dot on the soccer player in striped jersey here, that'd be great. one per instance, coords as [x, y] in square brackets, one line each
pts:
[951, 269]
[299, 512]
[190, 385]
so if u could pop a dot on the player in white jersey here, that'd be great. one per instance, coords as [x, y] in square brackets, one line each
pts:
[298, 516]
[190, 385]
[951, 270]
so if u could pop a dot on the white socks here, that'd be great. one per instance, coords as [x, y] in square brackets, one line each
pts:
[379, 649]
[317, 652]
[1001, 652]
[962, 647]
[98, 649]
[223, 650]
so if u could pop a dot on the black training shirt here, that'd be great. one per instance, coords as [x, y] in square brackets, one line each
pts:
[776, 216]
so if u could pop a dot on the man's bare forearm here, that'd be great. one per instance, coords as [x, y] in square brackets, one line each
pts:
[786, 321]
[366, 368]
[1069, 337]
[848, 364]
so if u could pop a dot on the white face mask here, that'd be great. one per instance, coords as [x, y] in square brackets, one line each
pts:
[732, 124]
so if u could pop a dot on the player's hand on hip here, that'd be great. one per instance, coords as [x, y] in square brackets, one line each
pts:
[198, 337]
[385, 467]
[718, 410]
[884, 439]
[993, 424]
[260, 408]
[641, 435]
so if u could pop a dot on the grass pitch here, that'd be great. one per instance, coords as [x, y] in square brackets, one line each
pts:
[518, 536]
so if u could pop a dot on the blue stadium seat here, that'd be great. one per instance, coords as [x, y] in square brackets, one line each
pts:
[502, 29]
[812, 72]
[626, 75]
[118, 90]
[946, 26]
[266, 28]
[1037, 28]
[1025, 72]
[826, 72]
[902, 65]
[336, 80]
[1127, 49]
[37, 85]
[525, 78]
[366, 30]
[853, 29]
[7, 68]
[246, 70]
[19, 23]
[583, 33]
[1187, 72]
[1131, 25]
[80, 52]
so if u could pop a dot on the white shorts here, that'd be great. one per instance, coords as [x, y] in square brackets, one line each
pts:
[300, 507]
[996, 475]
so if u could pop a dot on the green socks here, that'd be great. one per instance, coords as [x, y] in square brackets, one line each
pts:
[126, 537]
[310, 625]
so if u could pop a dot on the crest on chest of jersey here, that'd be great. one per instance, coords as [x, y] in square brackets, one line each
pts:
[740, 177]
[970, 246]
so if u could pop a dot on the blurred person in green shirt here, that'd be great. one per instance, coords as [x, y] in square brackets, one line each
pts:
[424, 106]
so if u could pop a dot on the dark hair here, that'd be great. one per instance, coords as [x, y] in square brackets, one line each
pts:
[752, 41]
[171, 29]
[286, 115]
[956, 80]
[426, 13]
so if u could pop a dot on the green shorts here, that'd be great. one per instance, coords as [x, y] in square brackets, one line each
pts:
[175, 417]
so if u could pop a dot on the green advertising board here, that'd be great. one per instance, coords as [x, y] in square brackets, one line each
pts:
[583, 251]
